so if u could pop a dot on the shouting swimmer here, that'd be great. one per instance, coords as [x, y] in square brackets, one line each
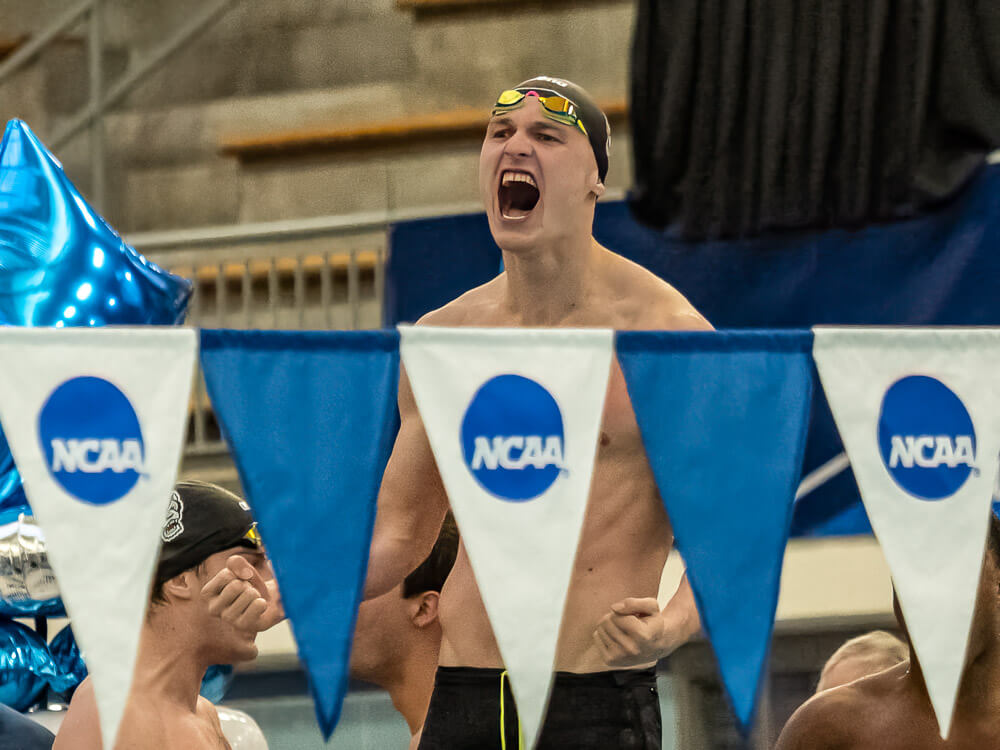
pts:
[542, 168]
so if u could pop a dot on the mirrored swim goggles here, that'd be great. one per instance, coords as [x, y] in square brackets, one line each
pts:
[253, 537]
[555, 107]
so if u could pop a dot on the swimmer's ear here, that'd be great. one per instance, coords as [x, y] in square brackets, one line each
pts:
[598, 189]
[424, 608]
[182, 586]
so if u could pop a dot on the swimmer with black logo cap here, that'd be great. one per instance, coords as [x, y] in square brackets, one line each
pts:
[542, 168]
[205, 527]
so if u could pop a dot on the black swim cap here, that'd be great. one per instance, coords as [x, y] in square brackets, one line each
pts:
[202, 519]
[593, 118]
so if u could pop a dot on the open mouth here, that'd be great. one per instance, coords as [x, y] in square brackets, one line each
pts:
[518, 194]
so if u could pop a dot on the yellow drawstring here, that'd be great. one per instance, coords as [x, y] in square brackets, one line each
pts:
[503, 734]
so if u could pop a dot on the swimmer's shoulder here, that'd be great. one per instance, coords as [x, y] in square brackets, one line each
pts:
[207, 711]
[80, 728]
[827, 721]
[475, 307]
[648, 302]
[869, 712]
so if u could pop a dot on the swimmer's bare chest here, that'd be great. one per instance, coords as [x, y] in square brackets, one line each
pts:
[623, 547]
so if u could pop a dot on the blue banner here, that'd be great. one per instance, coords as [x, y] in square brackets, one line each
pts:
[723, 417]
[309, 418]
[936, 269]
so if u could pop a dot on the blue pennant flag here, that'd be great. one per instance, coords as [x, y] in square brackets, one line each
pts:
[309, 417]
[723, 417]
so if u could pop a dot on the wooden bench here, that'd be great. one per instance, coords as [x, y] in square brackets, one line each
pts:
[462, 124]
[397, 133]
[419, 5]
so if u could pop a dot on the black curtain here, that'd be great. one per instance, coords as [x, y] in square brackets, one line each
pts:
[756, 114]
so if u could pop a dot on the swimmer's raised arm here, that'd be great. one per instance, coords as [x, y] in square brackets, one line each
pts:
[411, 503]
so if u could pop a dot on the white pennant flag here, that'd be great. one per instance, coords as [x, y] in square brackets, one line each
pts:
[513, 416]
[919, 413]
[95, 420]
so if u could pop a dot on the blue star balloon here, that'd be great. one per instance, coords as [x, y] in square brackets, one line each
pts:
[62, 265]
[69, 666]
[26, 666]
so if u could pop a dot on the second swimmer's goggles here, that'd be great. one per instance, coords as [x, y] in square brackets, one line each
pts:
[555, 107]
[253, 537]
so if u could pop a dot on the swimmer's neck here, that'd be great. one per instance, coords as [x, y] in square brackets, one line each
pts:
[167, 668]
[545, 285]
[410, 681]
[978, 690]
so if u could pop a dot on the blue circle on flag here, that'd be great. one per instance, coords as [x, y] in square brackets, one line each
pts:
[512, 438]
[92, 440]
[926, 437]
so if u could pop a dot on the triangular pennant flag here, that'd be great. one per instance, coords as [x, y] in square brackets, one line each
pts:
[309, 417]
[512, 416]
[723, 417]
[95, 419]
[919, 414]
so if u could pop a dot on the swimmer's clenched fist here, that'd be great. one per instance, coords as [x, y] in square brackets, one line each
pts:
[242, 598]
[636, 632]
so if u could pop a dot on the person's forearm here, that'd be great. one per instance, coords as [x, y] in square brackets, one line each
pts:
[680, 619]
[390, 560]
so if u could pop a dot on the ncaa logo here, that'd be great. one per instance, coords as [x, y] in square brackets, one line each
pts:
[926, 437]
[91, 439]
[512, 438]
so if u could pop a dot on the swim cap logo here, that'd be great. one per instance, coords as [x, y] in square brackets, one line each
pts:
[926, 437]
[557, 81]
[512, 438]
[174, 526]
[92, 441]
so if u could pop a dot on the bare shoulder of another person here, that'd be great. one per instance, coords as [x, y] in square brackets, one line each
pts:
[80, 728]
[206, 711]
[647, 302]
[831, 720]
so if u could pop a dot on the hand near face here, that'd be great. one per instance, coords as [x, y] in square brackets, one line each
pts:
[243, 597]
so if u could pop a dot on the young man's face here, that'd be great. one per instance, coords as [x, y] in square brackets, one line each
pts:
[228, 644]
[382, 631]
[537, 178]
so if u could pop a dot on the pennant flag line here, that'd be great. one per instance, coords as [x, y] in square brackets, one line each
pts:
[309, 418]
[512, 416]
[723, 417]
[95, 422]
[919, 414]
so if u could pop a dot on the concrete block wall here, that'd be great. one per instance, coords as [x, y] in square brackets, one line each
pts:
[280, 65]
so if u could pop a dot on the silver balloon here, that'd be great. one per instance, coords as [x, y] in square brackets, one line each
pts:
[27, 584]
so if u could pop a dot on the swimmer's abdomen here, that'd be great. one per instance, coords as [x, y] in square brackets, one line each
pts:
[624, 545]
